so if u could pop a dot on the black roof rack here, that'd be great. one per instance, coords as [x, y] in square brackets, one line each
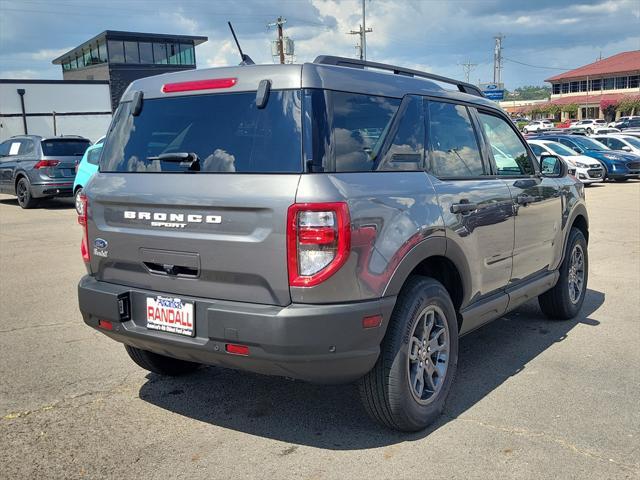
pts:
[355, 63]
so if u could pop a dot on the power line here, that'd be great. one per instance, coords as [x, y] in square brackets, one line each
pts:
[537, 66]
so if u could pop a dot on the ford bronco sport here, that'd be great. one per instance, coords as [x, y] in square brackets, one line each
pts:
[335, 221]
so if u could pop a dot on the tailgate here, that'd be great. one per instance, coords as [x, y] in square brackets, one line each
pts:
[216, 236]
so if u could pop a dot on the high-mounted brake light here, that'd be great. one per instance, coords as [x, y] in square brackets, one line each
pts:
[47, 163]
[209, 84]
[318, 241]
[82, 220]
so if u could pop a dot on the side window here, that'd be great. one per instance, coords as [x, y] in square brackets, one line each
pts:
[26, 147]
[4, 148]
[14, 147]
[360, 123]
[509, 152]
[568, 143]
[537, 149]
[614, 143]
[405, 148]
[93, 157]
[453, 146]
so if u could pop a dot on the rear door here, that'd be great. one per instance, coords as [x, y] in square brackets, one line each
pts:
[8, 151]
[476, 207]
[212, 224]
[538, 241]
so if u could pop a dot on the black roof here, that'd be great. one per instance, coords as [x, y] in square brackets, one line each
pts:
[121, 35]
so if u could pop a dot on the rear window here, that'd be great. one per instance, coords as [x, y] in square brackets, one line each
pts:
[227, 133]
[64, 148]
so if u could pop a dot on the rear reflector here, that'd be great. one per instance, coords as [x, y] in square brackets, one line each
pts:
[46, 163]
[199, 85]
[105, 324]
[236, 349]
[373, 321]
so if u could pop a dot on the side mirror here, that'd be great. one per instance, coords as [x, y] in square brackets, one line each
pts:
[553, 166]
[626, 148]
[577, 149]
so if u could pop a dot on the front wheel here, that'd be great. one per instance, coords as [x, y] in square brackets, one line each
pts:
[589, 131]
[407, 388]
[24, 194]
[160, 364]
[564, 301]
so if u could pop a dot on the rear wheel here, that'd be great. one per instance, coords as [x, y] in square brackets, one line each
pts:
[78, 204]
[407, 388]
[564, 301]
[23, 192]
[160, 364]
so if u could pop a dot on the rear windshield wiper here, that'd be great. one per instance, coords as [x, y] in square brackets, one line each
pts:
[179, 157]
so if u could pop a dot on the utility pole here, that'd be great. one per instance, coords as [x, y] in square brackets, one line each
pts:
[278, 24]
[497, 59]
[362, 32]
[467, 68]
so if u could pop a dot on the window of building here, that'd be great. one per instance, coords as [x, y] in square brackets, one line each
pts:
[583, 85]
[66, 65]
[509, 152]
[621, 82]
[557, 88]
[131, 54]
[159, 52]
[86, 56]
[173, 52]
[116, 51]
[596, 84]
[565, 88]
[609, 83]
[573, 87]
[102, 51]
[94, 54]
[146, 52]
[453, 144]
[187, 56]
[634, 81]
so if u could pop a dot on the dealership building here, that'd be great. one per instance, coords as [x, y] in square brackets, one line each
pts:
[593, 86]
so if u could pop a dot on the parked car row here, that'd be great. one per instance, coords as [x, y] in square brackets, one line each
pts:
[587, 125]
[613, 156]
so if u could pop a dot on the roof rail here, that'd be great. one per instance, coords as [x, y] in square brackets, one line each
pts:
[355, 63]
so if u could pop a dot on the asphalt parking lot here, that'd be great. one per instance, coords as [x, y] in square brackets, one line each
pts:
[533, 398]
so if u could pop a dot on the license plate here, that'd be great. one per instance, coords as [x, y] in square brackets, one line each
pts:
[170, 314]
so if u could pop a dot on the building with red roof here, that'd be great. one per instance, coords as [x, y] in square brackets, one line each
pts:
[595, 87]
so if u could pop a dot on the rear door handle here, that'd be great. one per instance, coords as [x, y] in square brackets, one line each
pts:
[525, 199]
[464, 207]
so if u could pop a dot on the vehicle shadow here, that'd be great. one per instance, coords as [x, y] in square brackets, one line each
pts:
[62, 203]
[331, 417]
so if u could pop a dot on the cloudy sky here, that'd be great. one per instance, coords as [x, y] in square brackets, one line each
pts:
[543, 37]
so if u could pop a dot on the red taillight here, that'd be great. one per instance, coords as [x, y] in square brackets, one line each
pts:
[318, 241]
[236, 349]
[210, 84]
[47, 163]
[373, 321]
[82, 220]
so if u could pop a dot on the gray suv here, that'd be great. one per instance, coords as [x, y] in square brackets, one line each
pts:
[34, 168]
[335, 221]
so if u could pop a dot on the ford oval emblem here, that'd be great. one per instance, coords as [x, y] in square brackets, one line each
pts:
[100, 243]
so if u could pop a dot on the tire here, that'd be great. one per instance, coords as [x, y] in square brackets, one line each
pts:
[558, 303]
[76, 196]
[590, 131]
[386, 391]
[23, 192]
[171, 367]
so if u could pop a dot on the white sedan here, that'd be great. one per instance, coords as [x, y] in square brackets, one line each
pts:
[588, 170]
[588, 124]
[537, 126]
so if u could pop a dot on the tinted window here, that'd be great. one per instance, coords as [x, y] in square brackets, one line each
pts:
[614, 143]
[64, 148]
[561, 149]
[405, 149]
[347, 129]
[589, 144]
[453, 144]
[93, 157]
[26, 147]
[4, 148]
[537, 149]
[116, 52]
[160, 53]
[509, 153]
[239, 138]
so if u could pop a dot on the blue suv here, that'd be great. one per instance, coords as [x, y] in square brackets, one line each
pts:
[618, 165]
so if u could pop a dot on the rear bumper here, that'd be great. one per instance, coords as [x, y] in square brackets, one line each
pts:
[52, 189]
[317, 343]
